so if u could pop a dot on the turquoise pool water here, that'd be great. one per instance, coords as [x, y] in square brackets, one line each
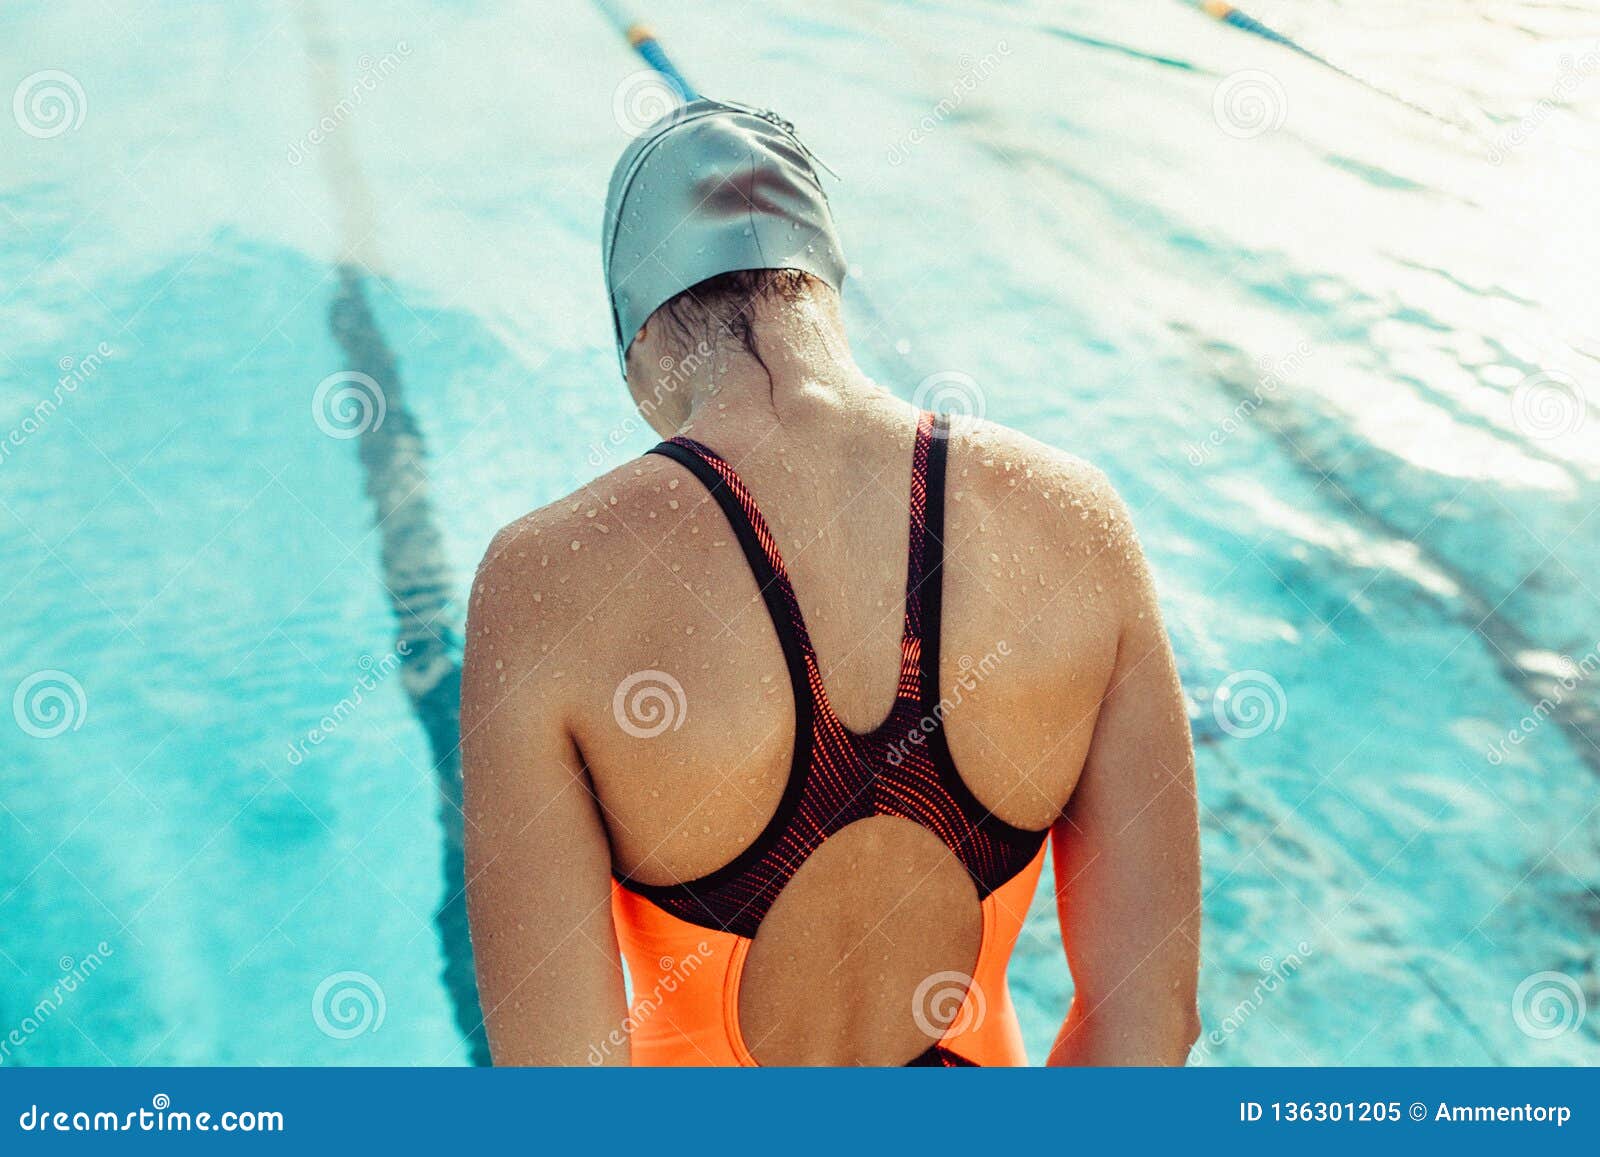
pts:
[1340, 358]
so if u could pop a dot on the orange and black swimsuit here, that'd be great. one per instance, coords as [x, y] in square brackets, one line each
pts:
[686, 943]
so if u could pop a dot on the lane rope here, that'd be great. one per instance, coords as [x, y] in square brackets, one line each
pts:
[1237, 18]
[643, 41]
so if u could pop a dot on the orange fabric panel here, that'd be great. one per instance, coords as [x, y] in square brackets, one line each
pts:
[681, 981]
[985, 1030]
[685, 1008]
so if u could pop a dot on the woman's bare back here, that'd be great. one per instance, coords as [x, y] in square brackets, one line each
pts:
[631, 614]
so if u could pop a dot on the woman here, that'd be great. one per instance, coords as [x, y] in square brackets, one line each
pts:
[787, 711]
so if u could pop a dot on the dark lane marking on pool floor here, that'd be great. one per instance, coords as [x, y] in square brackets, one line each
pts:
[416, 570]
[418, 579]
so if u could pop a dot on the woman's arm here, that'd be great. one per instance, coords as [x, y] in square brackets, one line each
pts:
[538, 860]
[1127, 863]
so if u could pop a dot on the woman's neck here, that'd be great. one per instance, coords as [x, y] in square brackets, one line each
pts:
[796, 365]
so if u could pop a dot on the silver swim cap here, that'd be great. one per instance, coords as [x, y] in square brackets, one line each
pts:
[709, 189]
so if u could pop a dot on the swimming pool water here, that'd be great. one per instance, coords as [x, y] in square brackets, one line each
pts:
[1342, 368]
